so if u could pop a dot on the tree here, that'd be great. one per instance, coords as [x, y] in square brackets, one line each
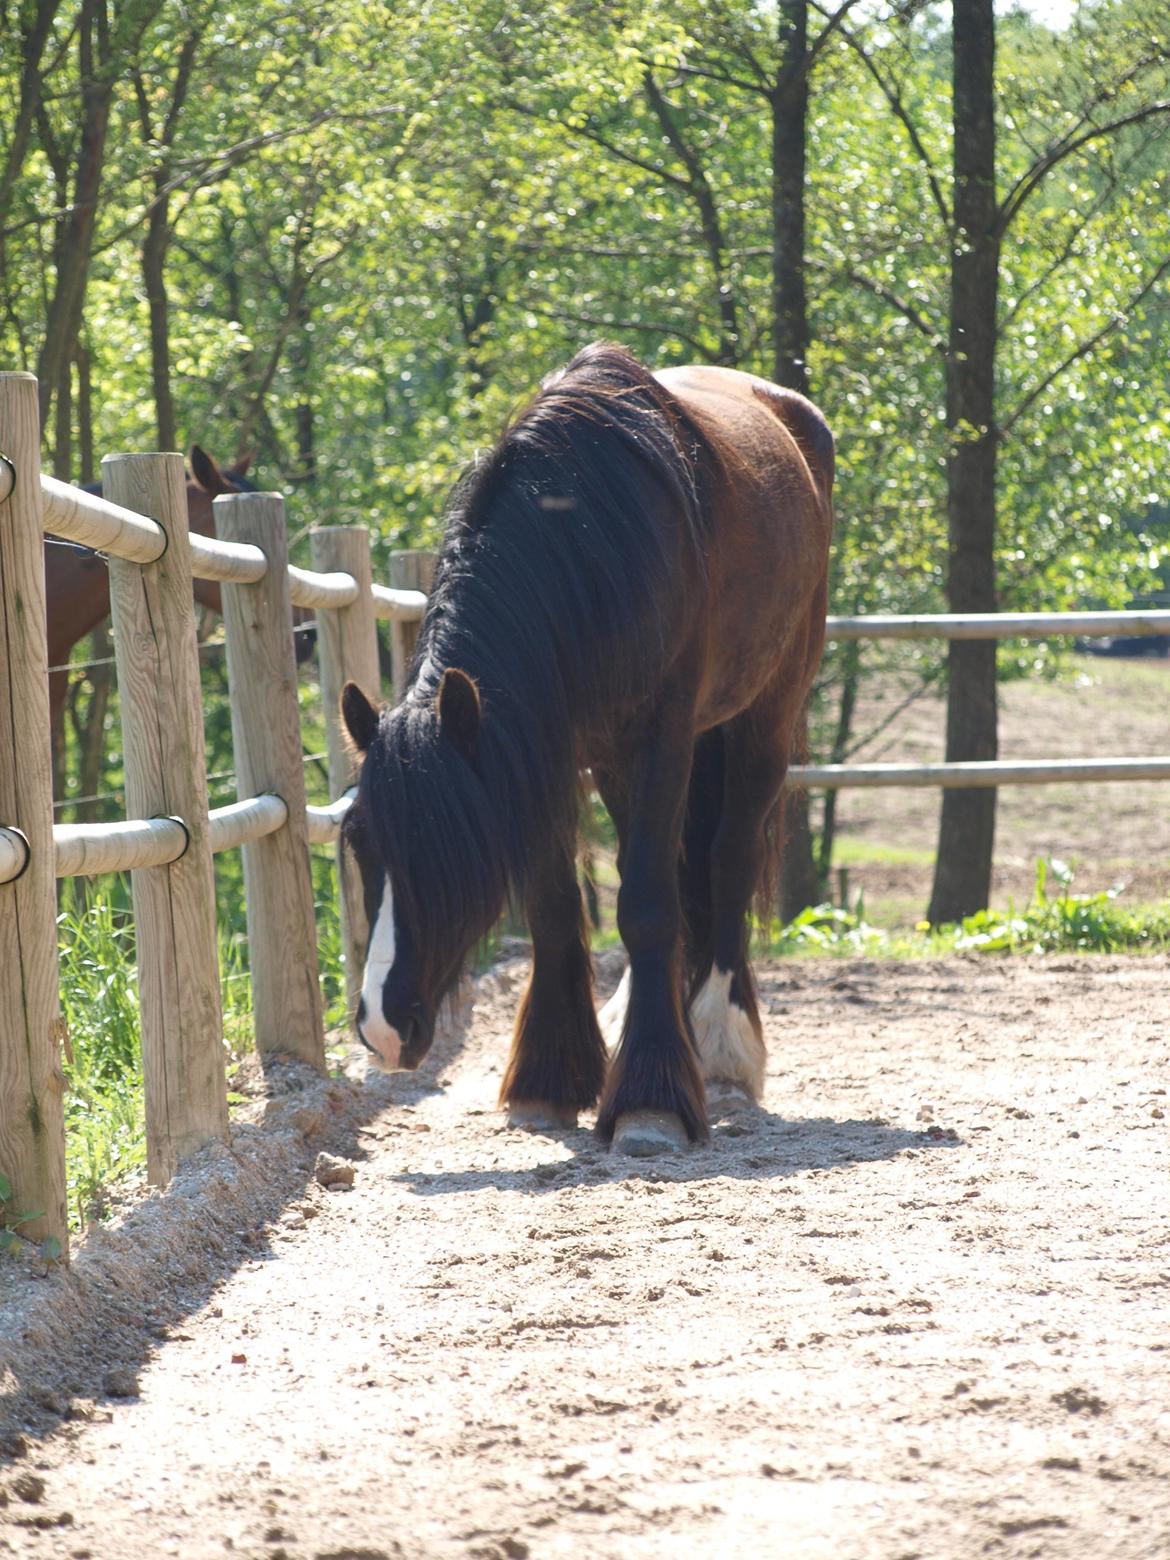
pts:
[1107, 79]
[962, 881]
[982, 222]
[74, 141]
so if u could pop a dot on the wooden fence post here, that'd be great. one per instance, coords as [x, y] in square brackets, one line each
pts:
[266, 736]
[166, 776]
[347, 643]
[32, 1125]
[409, 570]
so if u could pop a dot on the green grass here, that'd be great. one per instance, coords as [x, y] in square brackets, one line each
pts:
[1055, 920]
[1059, 921]
[105, 1137]
[104, 1122]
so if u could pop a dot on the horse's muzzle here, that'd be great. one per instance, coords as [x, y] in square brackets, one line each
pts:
[412, 1035]
[415, 1034]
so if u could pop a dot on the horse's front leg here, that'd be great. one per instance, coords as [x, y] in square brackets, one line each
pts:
[557, 1065]
[654, 1094]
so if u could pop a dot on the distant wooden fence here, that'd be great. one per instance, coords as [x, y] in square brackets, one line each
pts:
[997, 772]
[171, 835]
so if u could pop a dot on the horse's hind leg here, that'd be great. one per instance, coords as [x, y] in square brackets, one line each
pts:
[724, 1013]
[557, 1063]
[612, 1016]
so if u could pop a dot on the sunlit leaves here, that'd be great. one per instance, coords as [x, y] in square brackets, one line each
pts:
[391, 220]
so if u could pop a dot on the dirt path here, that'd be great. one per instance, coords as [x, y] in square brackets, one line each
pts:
[919, 1305]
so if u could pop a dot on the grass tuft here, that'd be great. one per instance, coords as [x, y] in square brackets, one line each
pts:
[104, 1113]
[1059, 921]
[105, 1127]
[1054, 921]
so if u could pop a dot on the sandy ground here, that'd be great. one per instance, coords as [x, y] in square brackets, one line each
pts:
[918, 1305]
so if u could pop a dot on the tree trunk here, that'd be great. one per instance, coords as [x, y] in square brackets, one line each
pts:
[154, 257]
[85, 452]
[63, 422]
[962, 880]
[90, 727]
[789, 131]
[63, 320]
[106, 38]
[710, 224]
[850, 682]
[301, 365]
[157, 239]
[800, 884]
[36, 25]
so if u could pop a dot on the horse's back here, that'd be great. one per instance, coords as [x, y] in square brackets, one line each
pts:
[747, 410]
[769, 490]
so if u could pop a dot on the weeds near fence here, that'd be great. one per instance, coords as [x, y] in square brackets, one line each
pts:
[12, 1218]
[105, 1126]
[1059, 921]
[1055, 920]
[104, 1112]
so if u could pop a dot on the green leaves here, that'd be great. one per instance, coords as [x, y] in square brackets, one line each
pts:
[1064, 922]
[12, 1243]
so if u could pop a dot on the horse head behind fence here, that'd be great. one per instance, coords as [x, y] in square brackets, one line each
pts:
[77, 582]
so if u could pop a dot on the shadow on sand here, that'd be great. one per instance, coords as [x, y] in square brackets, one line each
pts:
[747, 1143]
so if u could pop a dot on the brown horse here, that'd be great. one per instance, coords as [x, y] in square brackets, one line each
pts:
[77, 582]
[634, 581]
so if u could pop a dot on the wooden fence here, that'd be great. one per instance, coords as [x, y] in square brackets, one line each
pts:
[171, 835]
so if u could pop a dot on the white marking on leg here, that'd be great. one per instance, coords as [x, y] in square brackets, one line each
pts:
[730, 1050]
[612, 1017]
[374, 1029]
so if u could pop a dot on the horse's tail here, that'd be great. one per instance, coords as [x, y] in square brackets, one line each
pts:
[704, 807]
[775, 831]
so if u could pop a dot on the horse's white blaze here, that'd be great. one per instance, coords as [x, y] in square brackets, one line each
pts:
[613, 1014]
[375, 1030]
[730, 1050]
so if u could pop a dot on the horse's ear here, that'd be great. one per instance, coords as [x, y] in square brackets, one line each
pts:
[240, 467]
[457, 704]
[358, 716]
[206, 471]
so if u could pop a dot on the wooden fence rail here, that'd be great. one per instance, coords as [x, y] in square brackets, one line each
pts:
[1000, 625]
[979, 775]
[171, 836]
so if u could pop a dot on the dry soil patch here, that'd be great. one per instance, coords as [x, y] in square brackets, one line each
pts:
[916, 1305]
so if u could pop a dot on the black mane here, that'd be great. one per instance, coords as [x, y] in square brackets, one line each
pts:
[561, 551]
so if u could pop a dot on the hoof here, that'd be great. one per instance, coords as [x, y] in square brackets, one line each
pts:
[539, 1116]
[645, 1133]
